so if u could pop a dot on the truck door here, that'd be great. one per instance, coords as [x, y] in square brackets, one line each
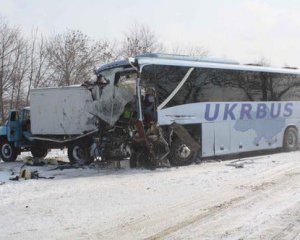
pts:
[13, 127]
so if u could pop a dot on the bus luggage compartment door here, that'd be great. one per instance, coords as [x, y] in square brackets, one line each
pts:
[222, 138]
[215, 139]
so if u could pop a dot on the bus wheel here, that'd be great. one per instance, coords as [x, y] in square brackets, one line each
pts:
[181, 154]
[290, 140]
[8, 152]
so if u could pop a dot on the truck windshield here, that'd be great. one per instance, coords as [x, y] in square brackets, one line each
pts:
[126, 80]
[117, 89]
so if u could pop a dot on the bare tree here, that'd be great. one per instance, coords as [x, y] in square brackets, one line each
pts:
[13, 65]
[262, 61]
[38, 73]
[73, 55]
[19, 76]
[65, 59]
[138, 40]
[191, 50]
[105, 51]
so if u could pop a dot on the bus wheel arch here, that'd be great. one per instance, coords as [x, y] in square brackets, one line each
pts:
[184, 148]
[290, 139]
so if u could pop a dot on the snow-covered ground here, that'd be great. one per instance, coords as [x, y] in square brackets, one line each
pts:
[212, 200]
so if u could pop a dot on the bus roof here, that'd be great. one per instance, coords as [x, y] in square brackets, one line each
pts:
[193, 61]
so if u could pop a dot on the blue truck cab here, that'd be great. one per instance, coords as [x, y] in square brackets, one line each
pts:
[15, 134]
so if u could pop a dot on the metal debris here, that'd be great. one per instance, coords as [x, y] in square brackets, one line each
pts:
[26, 174]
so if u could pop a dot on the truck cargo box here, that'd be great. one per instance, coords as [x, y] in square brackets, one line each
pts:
[61, 111]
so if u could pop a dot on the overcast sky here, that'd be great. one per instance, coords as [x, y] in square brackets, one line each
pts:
[244, 30]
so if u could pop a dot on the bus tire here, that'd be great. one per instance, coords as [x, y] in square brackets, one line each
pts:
[290, 139]
[8, 151]
[181, 154]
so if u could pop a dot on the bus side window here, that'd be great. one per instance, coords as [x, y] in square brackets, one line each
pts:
[282, 87]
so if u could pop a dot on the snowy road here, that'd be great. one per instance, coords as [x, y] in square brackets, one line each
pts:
[206, 201]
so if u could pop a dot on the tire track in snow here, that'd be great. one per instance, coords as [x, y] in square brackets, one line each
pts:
[263, 190]
[256, 191]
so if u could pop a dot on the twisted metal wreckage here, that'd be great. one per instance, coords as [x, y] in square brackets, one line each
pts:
[112, 118]
[125, 126]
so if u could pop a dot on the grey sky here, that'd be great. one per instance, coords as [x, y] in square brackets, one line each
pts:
[245, 30]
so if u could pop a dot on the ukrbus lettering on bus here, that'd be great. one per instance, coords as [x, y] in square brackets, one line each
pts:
[259, 111]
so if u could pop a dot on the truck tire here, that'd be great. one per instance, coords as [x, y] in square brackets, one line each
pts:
[38, 151]
[290, 139]
[181, 154]
[79, 153]
[8, 151]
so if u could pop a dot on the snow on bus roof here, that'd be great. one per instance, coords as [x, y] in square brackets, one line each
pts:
[194, 61]
[187, 58]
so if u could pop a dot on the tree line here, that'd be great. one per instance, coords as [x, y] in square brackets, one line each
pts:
[64, 59]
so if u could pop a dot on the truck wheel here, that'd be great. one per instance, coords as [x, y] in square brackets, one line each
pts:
[79, 153]
[39, 152]
[8, 152]
[290, 140]
[181, 154]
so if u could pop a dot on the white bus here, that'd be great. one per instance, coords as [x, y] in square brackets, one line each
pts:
[225, 107]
